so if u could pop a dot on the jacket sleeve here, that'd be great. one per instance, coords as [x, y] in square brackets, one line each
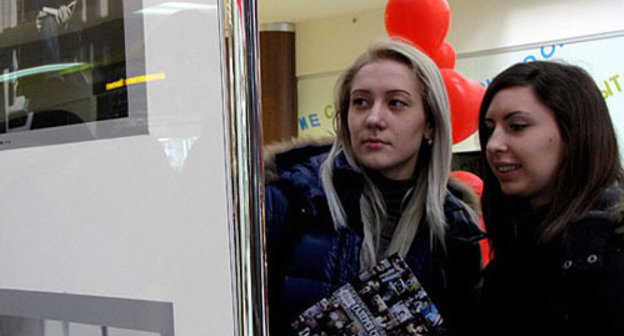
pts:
[594, 291]
[614, 286]
[464, 267]
[277, 207]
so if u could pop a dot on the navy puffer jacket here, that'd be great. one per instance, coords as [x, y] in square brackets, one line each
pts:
[308, 259]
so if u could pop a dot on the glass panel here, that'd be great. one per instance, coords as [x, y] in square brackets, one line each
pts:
[21, 326]
[141, 216]
[64, 69]
[30, 313]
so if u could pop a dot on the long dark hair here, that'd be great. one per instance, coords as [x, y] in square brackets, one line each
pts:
[591, 160]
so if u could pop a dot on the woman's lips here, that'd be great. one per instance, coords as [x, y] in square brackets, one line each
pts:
[375, 143]
[505, 171]
[507, 168]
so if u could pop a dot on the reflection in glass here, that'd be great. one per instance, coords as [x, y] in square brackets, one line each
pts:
[58, 59]
[54, 66]
[177, 150]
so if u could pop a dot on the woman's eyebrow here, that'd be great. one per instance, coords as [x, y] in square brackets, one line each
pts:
[398, 91]
[513, 113]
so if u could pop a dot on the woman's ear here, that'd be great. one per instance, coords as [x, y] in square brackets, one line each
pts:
[429, 133]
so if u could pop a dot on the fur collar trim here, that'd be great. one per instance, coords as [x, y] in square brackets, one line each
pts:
[463, 191]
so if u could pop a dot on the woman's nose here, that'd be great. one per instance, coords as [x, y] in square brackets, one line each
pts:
[496, 143]
[376, 116]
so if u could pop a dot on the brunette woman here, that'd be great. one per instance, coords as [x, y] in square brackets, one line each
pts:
[552, 204]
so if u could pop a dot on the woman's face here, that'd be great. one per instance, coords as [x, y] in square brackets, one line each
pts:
[386, 118]
[525, 148]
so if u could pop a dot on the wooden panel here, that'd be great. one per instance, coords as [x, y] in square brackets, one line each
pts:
[279, 85]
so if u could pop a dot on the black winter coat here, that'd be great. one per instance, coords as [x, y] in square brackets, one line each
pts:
[308, 259]
[574, 286]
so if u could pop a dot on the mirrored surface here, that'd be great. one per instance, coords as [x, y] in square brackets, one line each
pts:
[64, 69]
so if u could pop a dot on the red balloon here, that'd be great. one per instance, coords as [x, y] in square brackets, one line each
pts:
[444, 57]
[465, 96]
[474, 181]
[424, 22]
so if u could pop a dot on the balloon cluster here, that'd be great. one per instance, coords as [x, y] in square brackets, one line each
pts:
[425, 23]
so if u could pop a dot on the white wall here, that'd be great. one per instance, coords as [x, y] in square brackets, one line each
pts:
[326, 46]
[330, 44]
[487, 24]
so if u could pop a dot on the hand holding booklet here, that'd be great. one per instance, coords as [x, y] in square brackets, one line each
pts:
[386, 300]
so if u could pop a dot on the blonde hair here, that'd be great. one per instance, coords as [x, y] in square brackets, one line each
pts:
[426, 198]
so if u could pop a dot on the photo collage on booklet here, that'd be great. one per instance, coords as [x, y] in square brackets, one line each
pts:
[387, 300]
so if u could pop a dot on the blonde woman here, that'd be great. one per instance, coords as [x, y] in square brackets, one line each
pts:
[381, 188]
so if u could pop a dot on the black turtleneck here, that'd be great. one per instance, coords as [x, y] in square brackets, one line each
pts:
[393, 193]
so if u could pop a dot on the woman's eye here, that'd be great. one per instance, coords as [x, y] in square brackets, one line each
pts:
[397, 103]
[517, 127]
[489, 125]
[358, 102]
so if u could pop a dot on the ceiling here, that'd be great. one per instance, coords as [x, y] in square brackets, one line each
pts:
[303, 10]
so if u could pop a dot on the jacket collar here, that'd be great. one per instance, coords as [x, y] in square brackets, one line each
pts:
[300, 165]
